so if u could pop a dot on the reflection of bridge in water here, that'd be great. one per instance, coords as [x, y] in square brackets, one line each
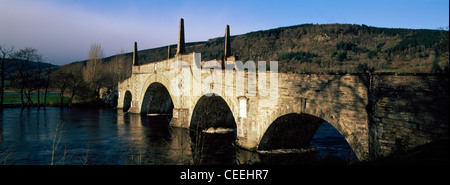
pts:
[377, 114]
[153, 142]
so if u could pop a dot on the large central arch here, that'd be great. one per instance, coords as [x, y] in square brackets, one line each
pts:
[212, 127]
[290, 131]
[157, 100]
[294, 131]
[212, 111]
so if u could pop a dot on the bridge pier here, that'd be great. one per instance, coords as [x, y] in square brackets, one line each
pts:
[247, 137]
[135, 107]
[180, 118]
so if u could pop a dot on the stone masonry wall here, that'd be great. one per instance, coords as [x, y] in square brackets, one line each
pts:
[408, 110]
[340, 99]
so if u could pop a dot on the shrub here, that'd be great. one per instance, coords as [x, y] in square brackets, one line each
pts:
[345, 46]
[361, 68]
[371, 54]
[342, 56]
[299, 56]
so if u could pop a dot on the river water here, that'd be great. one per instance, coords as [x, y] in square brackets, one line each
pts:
[77, 136]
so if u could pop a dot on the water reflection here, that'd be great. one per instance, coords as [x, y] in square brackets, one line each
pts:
[155, 142]
[109, 136]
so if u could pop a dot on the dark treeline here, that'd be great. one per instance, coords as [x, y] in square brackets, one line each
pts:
[24, 71]
[330, 48]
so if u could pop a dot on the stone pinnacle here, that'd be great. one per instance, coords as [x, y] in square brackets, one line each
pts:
[135, 55]
[181, 45]
[168, 52]
[227, 42]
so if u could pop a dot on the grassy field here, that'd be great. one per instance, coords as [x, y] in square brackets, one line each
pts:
[14, 98]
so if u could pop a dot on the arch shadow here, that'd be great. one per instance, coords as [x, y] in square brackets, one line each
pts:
[127, 101]
[301, 131]
[157, 101]
[212, 131]
[212, 111]
[290, 131]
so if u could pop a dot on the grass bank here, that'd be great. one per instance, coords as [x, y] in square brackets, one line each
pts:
[12, 99]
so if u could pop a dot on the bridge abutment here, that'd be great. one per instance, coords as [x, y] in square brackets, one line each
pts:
[181, 118]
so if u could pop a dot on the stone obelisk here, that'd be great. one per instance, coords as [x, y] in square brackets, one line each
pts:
[227, 42]
[227, 51]
[168, 52]
[135, 55]
[181, 45]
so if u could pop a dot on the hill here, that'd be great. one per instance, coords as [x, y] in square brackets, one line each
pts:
[328, 48]
[306, 48]
[12, 65]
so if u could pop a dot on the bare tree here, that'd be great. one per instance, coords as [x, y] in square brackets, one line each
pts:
[47, 84]
[62, 80]
[121, 67]
[92, 69]
[39, 83]
[77, 85]
[27, 82]
[5, 52]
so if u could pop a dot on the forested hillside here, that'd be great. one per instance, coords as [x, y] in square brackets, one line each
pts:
[307, 48]
[329, 48]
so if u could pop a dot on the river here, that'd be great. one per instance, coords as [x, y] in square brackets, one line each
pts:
[96, 136]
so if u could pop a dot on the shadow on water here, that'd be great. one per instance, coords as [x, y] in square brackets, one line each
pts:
[184, 146]
[157, 128]
[215, 148]
[327, 147]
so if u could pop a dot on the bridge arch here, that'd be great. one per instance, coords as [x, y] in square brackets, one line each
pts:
[158, 78]
[157, 100]
[316, 138]
[212, 126]
[290, 131]
[212, 111]
[320, 115]
[128, 97]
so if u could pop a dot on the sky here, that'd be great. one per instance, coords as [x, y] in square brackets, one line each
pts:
[63, 30]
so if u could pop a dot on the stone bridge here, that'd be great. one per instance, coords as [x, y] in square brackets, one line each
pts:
[377, 114]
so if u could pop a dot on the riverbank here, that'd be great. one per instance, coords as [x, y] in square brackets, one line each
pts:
[83, 104]
[50, 103]
[11, 99]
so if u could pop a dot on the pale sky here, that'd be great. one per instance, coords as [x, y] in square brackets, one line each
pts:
[63, 30]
